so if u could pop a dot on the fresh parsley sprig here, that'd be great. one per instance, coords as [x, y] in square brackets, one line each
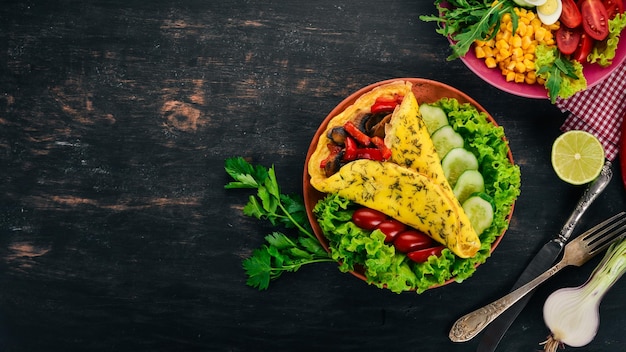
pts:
[465, 21]
[280, 253]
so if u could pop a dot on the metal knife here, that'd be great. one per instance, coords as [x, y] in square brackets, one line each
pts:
[543, 260]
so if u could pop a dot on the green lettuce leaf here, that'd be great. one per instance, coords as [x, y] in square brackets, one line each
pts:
[563, 77]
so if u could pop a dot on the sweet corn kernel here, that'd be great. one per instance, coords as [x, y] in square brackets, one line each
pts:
[540, 33]
[530, 65]
[479, 52]
[502, 44]
[510, 76]
[513, 53]
[511, 66]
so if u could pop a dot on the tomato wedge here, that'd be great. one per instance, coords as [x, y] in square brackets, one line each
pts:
[595, 19]
[570, 15]
[567, 39]
[613, 7]
[585, 45]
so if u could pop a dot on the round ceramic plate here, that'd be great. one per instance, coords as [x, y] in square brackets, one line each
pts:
[594, 74]
[426, 91]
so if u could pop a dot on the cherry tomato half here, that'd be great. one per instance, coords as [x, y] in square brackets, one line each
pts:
[613, 7]
[422, 255]
[367, 218]
[595, 19]
[585, 45]
[567, 39]
[570, 16]
[391, 228]
[412, 240]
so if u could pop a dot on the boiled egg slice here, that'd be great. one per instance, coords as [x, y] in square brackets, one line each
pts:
[550, 11]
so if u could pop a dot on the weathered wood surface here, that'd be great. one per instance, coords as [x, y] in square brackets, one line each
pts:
[116, 233]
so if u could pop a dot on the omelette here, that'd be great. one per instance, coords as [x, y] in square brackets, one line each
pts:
[409, 185]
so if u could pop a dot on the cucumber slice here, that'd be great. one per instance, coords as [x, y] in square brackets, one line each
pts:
[434, 117]
[457, 161]
[470, 182]
[445, 139]
[479, 210]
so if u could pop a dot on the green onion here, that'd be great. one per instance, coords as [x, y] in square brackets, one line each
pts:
[571, 313]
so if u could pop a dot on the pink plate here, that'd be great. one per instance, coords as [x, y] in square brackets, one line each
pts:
[593, 72]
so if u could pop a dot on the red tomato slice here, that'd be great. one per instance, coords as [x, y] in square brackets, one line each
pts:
[585, 45]
[567, 39]
[422, 255]
[412, 240]
[613, 7]
[595, 19]
[570, 16]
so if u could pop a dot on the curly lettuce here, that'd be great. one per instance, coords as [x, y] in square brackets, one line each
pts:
[563, 77]
[366, 252]
[603, 52]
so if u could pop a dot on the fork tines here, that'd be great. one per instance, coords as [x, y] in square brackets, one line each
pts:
[603, 234]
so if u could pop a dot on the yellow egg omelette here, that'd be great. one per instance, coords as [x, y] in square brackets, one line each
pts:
[410, 186]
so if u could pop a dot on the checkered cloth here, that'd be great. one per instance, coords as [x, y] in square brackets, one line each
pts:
[599, 110]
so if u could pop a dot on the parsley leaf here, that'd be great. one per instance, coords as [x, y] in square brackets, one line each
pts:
[280, 253]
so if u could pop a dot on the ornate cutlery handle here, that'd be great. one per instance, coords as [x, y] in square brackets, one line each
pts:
[591, 193]
[473, 323]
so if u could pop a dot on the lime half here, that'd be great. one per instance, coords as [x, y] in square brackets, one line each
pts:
[577, 157]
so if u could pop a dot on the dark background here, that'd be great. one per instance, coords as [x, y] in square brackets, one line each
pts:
[116, 233]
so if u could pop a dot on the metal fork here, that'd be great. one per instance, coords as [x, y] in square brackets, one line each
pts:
[577, 252]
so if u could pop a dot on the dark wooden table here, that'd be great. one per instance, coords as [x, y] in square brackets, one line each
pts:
[116, 233]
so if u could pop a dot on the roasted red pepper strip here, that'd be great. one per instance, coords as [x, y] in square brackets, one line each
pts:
[383, 107]
[369, 153]
[380, 144]
[385, 104]
[351, 147]
[356, 133]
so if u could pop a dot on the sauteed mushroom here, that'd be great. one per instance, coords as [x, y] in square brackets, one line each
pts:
[334, 164]
[376, 125]
[338, 135]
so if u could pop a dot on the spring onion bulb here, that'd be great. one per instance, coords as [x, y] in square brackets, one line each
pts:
[571, 313]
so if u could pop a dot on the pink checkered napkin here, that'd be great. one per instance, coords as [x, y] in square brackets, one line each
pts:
[599, 110]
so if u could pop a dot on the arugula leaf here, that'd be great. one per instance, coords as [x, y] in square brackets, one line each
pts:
[280, 253]
[467, 21]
